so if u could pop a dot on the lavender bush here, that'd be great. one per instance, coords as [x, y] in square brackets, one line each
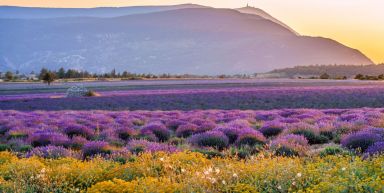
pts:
[360, 141]
[375, 149]
[214, 139]
[290, 145]
[158, 130]
[139, 146]
[251, 137]
[50, 152]
[206, 130]
[96, 148]
[186, 130]
[271, 129]
[44, 138]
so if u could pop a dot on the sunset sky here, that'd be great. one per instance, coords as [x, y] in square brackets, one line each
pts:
[355, 23]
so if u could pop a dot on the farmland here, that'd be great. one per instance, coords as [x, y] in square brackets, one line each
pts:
[197, 94]
[232, 136]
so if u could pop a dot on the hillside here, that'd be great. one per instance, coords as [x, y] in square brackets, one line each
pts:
[193, 40]
[333, 70]
[265, 15]
[13, 12]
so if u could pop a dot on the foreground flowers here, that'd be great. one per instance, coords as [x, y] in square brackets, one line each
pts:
[85, 134]
[192, 172]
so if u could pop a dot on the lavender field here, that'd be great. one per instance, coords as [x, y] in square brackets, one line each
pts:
[285, 132]
[157, 137]
[205, 95]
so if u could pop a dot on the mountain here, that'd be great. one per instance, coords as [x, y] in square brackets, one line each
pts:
[188, 40]
[349, 71]
[40, 13]
[265, 15]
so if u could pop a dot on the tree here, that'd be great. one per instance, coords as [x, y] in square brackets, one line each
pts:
[71, 73]
[125, 74]
[324, 76]
[113, 73]
[359, 77]
[43, 71]
[61, 73]
[49, 77]
[9, 75]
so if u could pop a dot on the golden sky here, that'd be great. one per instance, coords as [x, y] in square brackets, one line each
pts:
[355, 23]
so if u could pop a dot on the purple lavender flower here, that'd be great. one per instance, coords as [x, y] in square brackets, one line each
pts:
[186, 130]
[50, 152]
[378, 131]
[96, 148]
[239, 123]
[126, 133]
[351, 117]
[231, 132]
[272, 128]
[174, 124]
[360, 140]
[290, 145]
[310, 132]
[215, 139]
[159, 130]
[206, 126]
[375, 149]
[266, 116]
[251, 137]
[44, 138]
[139, 146]
[290, 120]
[78, 130]
[21, 133]
[78, 142]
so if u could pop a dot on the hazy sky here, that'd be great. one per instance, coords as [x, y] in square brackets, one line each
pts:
[355, 23]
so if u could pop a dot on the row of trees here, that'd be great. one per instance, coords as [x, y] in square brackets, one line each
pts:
[49, 76]
[369, 77]
[76, 74]
[331, 70]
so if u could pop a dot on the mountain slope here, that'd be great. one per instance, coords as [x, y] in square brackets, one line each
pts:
[197, 41]
[13, 12]
[265, 15]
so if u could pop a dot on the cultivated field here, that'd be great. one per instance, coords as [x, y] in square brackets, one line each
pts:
[194, 136]
[197, 94]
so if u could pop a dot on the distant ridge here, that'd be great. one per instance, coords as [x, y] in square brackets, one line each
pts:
[172, 39]
[349, 71]
[41, 12]
[262, 13]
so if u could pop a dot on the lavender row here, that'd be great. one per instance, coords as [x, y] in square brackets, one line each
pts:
[84, 134]
[228, 98]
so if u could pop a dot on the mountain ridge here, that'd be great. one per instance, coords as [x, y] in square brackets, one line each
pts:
[16, 12]
[191, 40]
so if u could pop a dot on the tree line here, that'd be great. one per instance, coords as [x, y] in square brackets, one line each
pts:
[48, 76]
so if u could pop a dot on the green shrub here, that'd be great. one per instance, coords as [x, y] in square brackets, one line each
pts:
[4, 147]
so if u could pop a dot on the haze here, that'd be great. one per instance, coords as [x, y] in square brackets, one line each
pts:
[355, 23]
